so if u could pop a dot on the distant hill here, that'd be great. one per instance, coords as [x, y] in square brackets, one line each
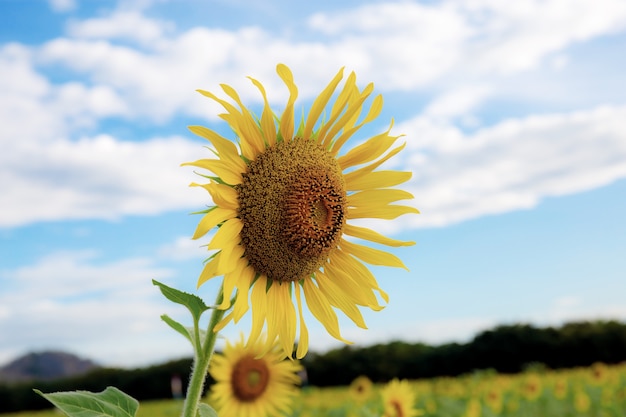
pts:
[45, 366]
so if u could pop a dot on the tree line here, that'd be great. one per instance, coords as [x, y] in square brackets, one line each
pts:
[506, 349]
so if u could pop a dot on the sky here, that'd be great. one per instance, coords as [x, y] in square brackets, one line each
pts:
[513, 114]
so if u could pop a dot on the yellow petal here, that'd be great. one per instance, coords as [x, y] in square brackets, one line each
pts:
[321, 309]
[227, 234]
[243, 287]
[282, 315]
[248, 125]
[226, 150]
[387, 212]
[267, 118]
[367, 151]
[209, 271]
[303, 342]
[287, 119]
[352, 281]
[232, 255]
[320, 103]
[335, 295]
[372, 236]
[377, 197]
[220, 168]
[258, 298]
[349, 88]
[222, 195]
[211, 219]
[376, 179]
[372, 256]
[219, 326]
[346, 120]
[375, 110]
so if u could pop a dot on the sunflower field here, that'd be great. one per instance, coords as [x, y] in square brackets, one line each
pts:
[596, 391]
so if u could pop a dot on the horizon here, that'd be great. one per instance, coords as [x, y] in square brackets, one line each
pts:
[514, 130]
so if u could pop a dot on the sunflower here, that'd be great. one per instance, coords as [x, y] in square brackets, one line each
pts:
[398, 399]
[361, 389]
[250, 382]
[283, 199]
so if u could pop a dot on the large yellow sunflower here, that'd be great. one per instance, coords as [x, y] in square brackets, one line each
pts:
[250, 382]
[283, 200]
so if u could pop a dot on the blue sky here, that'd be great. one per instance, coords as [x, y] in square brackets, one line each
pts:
[515, 123]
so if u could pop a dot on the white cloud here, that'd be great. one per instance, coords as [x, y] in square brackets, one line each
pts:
[186, 248]
[459, 52]
[62, 5]
[512, 165]
[107, 311]
[122, 24]
[97, 177]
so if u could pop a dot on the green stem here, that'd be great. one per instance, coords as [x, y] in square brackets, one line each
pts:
[201, 361]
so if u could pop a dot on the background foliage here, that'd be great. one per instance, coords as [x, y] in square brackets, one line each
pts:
[505, 349]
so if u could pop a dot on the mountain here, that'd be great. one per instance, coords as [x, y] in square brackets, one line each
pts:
[45, 366]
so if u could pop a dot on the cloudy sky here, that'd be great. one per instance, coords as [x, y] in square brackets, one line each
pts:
[514, 116]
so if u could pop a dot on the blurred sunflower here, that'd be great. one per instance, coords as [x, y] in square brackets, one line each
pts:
[399, 399]
[250, 382]
[361, 389]
[282, 202]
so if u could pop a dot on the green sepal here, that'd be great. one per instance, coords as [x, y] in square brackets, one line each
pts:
[109, 403]
[205, 410]
[194, 303]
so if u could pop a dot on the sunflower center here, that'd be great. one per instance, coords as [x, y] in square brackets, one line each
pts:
[250, 378]
[292, 204]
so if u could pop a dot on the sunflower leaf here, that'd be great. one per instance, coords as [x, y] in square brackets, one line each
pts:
[205, 410]
[177, 326]
[194, 303]
[109, 403]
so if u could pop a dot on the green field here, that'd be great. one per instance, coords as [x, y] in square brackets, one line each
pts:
[596, 391]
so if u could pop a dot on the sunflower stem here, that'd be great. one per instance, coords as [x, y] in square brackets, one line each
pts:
[202, 358]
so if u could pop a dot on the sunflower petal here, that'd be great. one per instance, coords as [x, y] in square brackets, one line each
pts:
[211, 219]
[353, 109]
[372, 236]
[248, 125]
[387, 212]
[287, 119]
[336, 297]
[375, 110]
[267, 118]
[222, 169]
[371, 255]
[243, 286]
[258, 298]
[209, 271]
[378, 197]
[367, 151]
[320, 103]
[223, 196]
[377, 179]
[227, 234]
[322, 310]
[303, 342]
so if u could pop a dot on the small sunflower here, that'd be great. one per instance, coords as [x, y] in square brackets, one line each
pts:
[399, 399]
[251, 382]
[283, 200]
[361, 389]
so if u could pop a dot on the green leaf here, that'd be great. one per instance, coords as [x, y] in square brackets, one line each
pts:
[205, 410]
[109, 403]
[194, 303]
[178, 327]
